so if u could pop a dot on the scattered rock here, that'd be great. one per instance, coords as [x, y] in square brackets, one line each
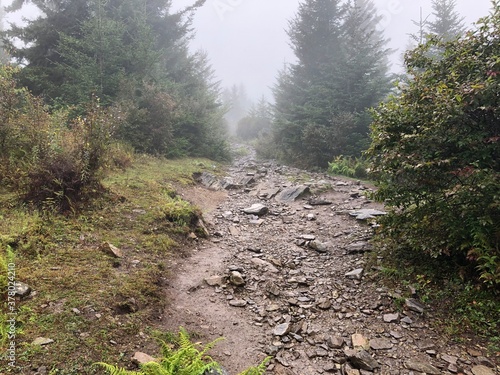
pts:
[421, 366]
[320, 247]
[336, 342]
[236, 278]
[391, 318]
[380, 344]
[292, 194]
[366, 214]
[359, 247]
[356, 274]
[22, 289]
[414, 305]
[362, 359]
[42, 341]
[215, 280]
[281, 329]
[140, 358]
[111, 250]
[482, 370]
[359, 341]
[238, 303]
[256, 209]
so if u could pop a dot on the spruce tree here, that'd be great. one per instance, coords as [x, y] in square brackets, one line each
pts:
[447, 23]
[321, 101]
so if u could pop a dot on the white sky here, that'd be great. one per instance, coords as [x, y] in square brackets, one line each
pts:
[247, 43]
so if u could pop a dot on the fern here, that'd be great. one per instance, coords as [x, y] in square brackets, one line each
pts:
[114, 370]
[259, 370]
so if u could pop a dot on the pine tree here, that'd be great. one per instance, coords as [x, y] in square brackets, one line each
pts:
[321, 101]
[447, 23]
[3, 54]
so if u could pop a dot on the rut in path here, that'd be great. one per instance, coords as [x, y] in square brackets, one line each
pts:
[300, 301]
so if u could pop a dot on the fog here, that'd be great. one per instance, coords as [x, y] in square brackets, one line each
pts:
[247, 43]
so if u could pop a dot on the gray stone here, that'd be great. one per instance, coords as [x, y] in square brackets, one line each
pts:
[22, 289]
[449, 359]
[421, 366]
[335, 342]
[140, 358]
[320, 247]
[407, 320]
[273, 289]
[216, 371]
[42, 341]
[236, 278]
[414, 305]
[308, 237]
[359, 247]
[380, 344]
[256, 209]
[482, 370]
[366, 214]
[485, 362]
[361, 359]
[324, 304]
[238, 303]
[356, 274]
[391, 318]
[319, 202]
[111, 250]
[359, 341]
[281, 329]
[215, 280]
[208, 180]
[292, 194]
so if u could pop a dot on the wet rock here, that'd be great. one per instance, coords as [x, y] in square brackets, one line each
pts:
[361, 359]
[356, 274]
[421, 366]
[292, 194]
[482, 370]
[257, 209]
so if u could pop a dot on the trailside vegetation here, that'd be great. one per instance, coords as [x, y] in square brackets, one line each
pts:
[435, 154]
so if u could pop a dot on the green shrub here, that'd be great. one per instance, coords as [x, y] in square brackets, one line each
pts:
[348, 166]
[435, 153]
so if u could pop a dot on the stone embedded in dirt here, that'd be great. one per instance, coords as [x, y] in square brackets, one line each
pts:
[256, 250]
[391, 318]
[256, 209]
[320, 247]
[111, 250]
[367, 213]
[356, 274]
[22, 289]
[407, 320]
[281, 329]
[292, 194]
[208, 180]
[319, 202]
[273, 289]
[421, 366]
[380, 344]
[485, 362]
[361, 359]
[474, 352]
[335, 342]
[215, 280]
[414, 305]
[449, 359]
[140, 358]
[482, 370]
[396, 335]
[308, 237]
[359, 247]
[42, 341]
[311, 217]
[263, 264]
[324, 304]
[257, 222]
[359, 341]
[238, 303]
[236, 278]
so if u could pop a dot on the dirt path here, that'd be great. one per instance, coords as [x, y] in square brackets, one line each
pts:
[299, 300]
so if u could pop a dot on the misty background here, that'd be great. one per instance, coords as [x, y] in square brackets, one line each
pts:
[247, 43]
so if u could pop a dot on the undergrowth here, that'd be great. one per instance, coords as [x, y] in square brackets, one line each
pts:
[349, 167]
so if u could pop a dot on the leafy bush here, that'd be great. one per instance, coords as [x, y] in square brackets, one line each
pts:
[48, 157]
[187, 359]
[348, 166]
[436, 155]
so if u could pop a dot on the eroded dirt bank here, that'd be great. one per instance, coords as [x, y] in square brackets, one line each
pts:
[292, 281]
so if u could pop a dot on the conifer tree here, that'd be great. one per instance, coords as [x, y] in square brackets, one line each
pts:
[321, 101]
[447, 23]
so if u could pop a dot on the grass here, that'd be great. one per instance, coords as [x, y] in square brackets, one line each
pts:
[95, 307]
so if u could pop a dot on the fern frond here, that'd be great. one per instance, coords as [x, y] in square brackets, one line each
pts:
[115, 370]
[259, 370]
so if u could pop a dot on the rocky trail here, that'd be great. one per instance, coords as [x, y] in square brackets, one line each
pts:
[284, 273]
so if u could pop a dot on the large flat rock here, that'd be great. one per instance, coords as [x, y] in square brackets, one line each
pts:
[293, 193]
